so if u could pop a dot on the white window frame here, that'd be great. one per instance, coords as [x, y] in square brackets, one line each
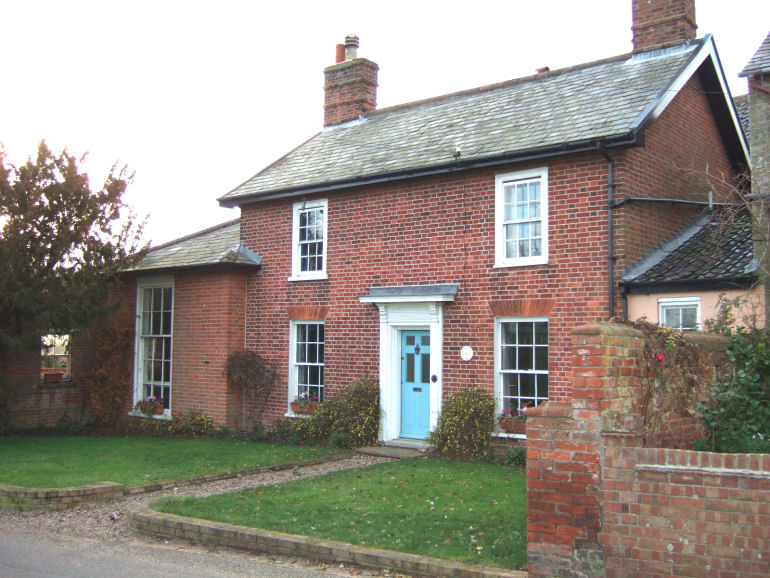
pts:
[541, 175]
[499, 322]
[296, 273]
[678, 303]
[293, 363]
[141, 285]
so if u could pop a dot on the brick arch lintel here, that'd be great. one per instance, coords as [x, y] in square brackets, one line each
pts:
[308, 312]
[521, 307]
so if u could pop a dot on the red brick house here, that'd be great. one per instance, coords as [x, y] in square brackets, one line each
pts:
[447, 243]
[456, 241]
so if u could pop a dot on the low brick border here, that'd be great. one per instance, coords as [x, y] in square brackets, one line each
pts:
[146, 521]
[27, 499]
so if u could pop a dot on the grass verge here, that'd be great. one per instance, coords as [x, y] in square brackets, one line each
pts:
[464, 511]
[56, 462]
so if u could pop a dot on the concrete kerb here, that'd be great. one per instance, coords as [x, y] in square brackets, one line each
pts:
[147, 521]
[26, 499]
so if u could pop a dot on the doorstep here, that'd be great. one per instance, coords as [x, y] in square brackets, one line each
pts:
[399, 448]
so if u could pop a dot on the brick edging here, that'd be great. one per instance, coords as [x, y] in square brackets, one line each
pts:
[144, 520]
[26, 499]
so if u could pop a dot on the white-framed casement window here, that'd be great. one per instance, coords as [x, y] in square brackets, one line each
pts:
[521, 218]
[681, 313]
[306, 360]
[309, 247]
[521, 361]
[154, 340]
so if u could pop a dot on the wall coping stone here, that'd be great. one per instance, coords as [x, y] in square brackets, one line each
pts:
[727, 472]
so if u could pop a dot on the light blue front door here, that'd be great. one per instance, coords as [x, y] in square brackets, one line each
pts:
[415, 384]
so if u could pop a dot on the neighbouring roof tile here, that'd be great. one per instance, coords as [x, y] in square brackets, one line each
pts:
[760, 62]
[216, 245]
[718, 248]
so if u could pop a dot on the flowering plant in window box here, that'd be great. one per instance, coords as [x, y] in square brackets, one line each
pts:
[513, 420]
[150, 406]
[305, 403]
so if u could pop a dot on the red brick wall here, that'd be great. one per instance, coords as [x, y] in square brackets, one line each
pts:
[674, 512]
[208, 325]
[427, 231]
[600, 504]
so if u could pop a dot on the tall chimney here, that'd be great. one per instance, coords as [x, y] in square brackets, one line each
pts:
[662, 23]
[350, 87]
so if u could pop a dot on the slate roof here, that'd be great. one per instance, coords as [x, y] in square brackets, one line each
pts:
[717, 250]
[218, 245]
[760, 62]
[551, 113]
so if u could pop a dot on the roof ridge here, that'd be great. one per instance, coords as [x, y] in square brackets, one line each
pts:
[498, 85]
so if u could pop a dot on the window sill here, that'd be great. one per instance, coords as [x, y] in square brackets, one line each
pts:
[165, 415]
[520, 264]
[297, 415]
[322, 277]
[513, 436]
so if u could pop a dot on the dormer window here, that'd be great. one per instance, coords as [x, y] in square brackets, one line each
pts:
[309, 240]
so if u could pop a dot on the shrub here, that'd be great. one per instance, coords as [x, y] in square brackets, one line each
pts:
[190, 425]
[516, 456]
[247, 370]
[339, 439]
[110, 384]
[738, 411]
[464, 426]
[354, 411]
[293, 431]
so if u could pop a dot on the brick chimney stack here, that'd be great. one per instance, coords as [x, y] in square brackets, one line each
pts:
[350, 87]
[662, 23]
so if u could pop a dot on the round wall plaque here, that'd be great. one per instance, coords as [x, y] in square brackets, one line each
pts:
[466, 353]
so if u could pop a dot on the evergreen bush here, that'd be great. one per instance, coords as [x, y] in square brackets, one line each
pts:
[464, 426]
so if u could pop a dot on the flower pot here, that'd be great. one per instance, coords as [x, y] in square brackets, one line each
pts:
[304, 408]
[157, 410]
[512, 425]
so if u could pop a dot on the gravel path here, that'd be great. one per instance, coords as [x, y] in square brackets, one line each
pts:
[107, 521]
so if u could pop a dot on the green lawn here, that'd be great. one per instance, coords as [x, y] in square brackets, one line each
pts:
[55, 462]
[464, 511]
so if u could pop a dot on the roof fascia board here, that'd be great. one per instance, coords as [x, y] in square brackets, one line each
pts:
[680, 285]
[625, 139]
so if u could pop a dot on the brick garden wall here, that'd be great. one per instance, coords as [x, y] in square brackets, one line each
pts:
[600, 503]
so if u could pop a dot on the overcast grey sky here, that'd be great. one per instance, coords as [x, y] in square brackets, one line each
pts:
[198, 96]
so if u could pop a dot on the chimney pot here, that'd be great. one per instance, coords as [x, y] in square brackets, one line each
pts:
[350, 85]
[543, 69]
[351, 47]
